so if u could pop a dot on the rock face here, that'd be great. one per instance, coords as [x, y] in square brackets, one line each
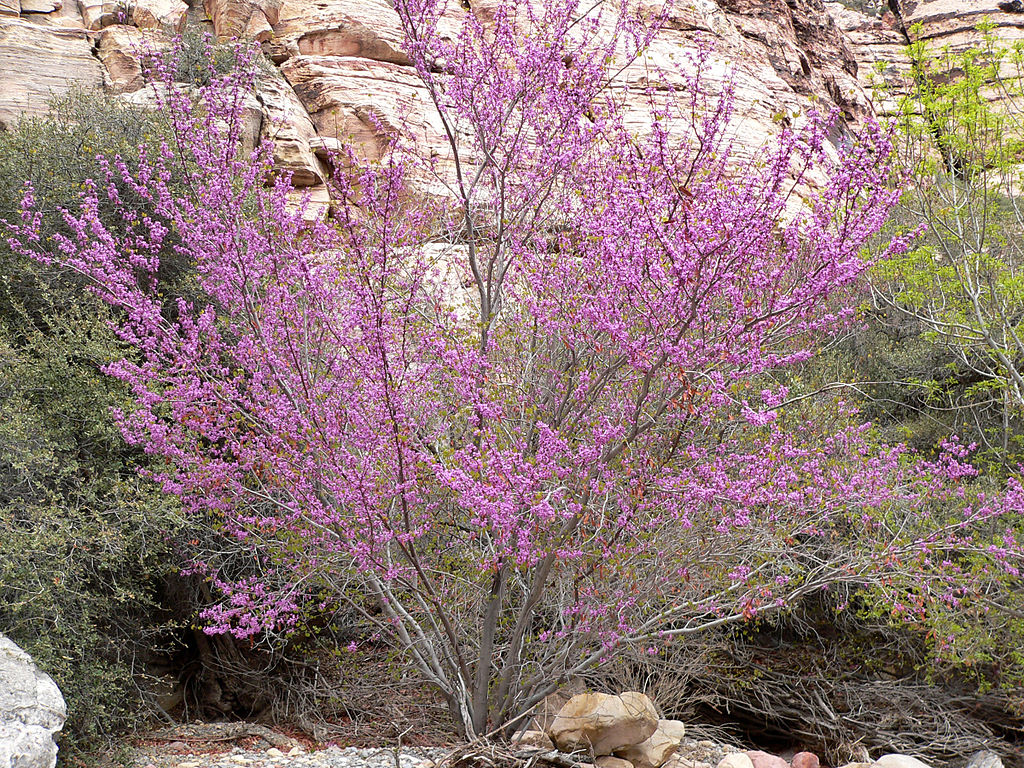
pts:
[32, 710]
[601, 723]
[36, 62]
[346, 77]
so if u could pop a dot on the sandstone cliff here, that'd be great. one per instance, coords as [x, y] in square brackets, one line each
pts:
[342, 73]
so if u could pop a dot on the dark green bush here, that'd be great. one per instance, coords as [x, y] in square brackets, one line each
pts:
[85, 541]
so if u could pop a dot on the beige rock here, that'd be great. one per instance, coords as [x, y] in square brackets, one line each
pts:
[532, 738]
[97, 14]
[602, 723]
[163, 15]
[233, 18]
[899, 761]
[287, 124]
[658, 747]
[764, 760]
[118, 49]
[326, 147]
[66, 13]
[366, 104]
[10, 7]
[315, 202]
[37, 62]
[41, 6]
[736, 760]
[955, 22]
[258, 28]
[609, 761]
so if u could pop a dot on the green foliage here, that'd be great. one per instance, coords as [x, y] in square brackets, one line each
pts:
[85, 541]
[199, 58]
[948, 316]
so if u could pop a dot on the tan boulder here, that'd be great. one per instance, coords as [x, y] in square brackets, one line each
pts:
[162, 15]
[610, 761]
[657, 748]
[601, 723]
[41, 6]
[37, 62]
[97, 14]
[234, 18]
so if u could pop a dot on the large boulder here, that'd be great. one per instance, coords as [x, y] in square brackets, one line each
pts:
[601, 723]
[656, 748]
[31, 711]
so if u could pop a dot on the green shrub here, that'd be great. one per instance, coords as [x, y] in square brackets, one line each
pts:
[85, 540]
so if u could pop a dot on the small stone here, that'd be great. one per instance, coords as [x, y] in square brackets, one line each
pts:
[764, 760]
[983, 759]
[736, 760]
[805, 760]
[608, 761]
[899, 761]
[294, 751]
[426, 764]
[275, 753]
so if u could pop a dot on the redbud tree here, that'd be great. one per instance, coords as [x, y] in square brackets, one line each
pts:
[519, 405]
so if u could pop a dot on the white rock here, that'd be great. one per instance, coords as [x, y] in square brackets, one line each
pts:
[899, 761]
[736, 760]
[984, 759]
[32, 710]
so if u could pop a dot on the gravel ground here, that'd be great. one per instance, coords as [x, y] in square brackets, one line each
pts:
[697, 754]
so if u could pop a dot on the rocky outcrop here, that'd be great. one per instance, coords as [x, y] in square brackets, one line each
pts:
[347, 79]
[32, 710]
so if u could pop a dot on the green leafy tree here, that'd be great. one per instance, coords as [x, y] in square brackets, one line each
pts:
[951, 310]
